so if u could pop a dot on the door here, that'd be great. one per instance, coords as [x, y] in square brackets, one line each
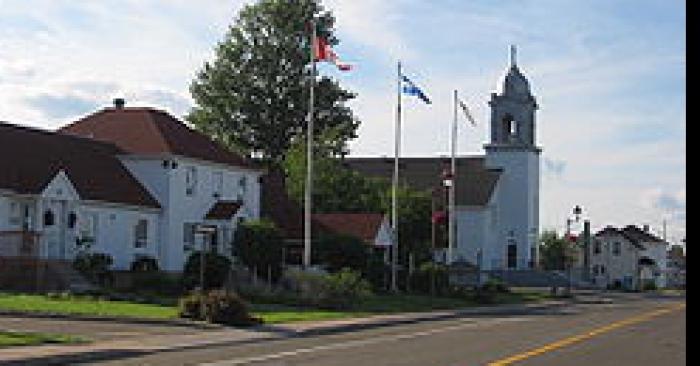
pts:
[54, 218]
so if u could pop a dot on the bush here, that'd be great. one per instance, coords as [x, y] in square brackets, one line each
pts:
[94, 266]
[494, 286]
[216, 269]
[336, 252]
[332, 291]
[144, 264]
[156, 283]
[649, 285]
[259, 245]
[220, 307]
[430, 277]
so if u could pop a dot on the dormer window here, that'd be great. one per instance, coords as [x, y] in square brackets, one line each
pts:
[191, 180]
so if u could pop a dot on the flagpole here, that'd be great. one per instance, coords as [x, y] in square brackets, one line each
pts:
[309, 153]
[453, 178]
[395, 183]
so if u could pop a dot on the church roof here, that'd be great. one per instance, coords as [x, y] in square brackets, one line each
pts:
[475, 183]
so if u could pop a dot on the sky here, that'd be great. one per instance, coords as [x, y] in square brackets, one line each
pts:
[609, 78]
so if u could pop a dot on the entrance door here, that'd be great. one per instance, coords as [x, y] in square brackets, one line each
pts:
[54, 218]
[512, 255]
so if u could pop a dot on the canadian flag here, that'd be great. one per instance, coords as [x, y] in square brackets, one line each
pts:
[324, 52]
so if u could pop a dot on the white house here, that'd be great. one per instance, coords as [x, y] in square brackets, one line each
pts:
[497, 195]
[623, 257]
[194, 179]
[131, 182]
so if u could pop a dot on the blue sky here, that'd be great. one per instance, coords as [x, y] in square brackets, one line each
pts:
[609, 77]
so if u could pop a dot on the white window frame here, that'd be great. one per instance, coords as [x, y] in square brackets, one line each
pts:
[141, 236]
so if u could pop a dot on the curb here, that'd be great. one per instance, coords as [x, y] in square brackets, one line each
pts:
[358, 324]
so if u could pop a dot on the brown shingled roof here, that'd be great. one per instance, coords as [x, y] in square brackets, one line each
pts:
[475, 182]
[30, 158]
[363, 226]
[149, 131]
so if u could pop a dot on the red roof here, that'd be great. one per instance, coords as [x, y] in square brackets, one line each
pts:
[223, 210]
[363, 226]
[30, 159]
[150, 131]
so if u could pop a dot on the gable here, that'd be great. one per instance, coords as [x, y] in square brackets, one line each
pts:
[61, 188]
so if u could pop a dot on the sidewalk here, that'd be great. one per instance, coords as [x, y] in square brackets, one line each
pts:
[141, 345]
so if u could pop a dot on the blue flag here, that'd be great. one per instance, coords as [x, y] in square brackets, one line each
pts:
[409, 88]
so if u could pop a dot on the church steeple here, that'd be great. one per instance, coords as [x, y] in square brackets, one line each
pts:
[513, 109]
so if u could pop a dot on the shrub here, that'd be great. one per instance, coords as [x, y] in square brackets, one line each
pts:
[430, 277]
[494, 286]
[649, 285]
[344, 288]
[259, 244]
[156, 283]
[94, 266]
[216, 269]
[336, 252]
[144, 264]
[220, 307]
[333, 291]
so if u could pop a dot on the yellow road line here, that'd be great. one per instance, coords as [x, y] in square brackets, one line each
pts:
[578, 338]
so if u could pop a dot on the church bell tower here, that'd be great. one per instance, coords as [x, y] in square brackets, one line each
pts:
[512, 148]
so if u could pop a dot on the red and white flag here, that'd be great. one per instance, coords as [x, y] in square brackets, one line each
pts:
[324, 52]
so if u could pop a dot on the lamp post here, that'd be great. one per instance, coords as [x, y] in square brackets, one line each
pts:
[448, 183]
[577, 211]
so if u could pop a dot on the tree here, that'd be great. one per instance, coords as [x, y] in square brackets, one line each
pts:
[253, 97]
[555, 252]
[340, 189]
[216, 269]
[259, 245]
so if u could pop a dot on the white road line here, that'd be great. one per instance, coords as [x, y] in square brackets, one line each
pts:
[361, 342]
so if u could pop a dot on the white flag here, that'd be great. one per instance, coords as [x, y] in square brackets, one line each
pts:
[466, 112]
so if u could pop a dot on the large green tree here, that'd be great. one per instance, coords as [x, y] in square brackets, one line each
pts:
[254, 95]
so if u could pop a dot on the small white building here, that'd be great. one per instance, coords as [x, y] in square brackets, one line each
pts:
[623, 257]
[132, 182]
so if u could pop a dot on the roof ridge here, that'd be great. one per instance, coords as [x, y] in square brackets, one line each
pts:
[56, 133]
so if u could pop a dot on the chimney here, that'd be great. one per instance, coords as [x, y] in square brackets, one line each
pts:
[119, 103]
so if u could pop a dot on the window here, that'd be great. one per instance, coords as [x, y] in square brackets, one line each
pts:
[596, 247]
[72, 219]
[87, 226]
[188, 237]
[49, 218]
[616, 248]
[512, 255]
[141, 234]
[191, 180]
[218, 183]
[14, 217]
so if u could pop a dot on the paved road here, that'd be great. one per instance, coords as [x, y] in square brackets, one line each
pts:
[629, 331]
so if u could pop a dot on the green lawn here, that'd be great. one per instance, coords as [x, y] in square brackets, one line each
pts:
[271, 314]
[84, 306]
[12, 339]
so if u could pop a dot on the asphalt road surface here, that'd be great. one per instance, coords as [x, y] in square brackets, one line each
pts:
[629, 331]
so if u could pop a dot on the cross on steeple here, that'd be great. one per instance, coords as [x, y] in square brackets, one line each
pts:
[513, 53]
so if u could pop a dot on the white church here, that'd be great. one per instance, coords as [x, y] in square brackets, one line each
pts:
[496, 194]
